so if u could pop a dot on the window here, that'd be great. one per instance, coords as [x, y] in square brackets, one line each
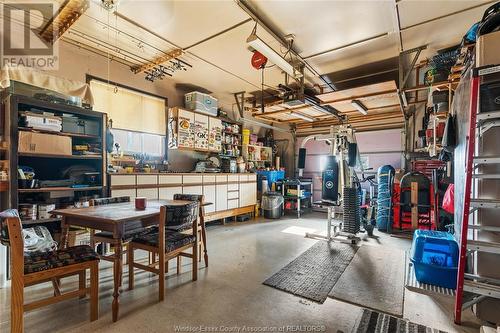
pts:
[139, 119]
[139, 143]
[130, 109]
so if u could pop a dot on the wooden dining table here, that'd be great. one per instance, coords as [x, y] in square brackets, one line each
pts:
[112, 218]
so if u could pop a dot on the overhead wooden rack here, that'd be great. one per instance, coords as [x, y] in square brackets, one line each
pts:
[380, 100]
[69, 12]
[158, 61]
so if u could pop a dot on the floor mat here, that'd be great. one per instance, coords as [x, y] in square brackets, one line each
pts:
[376, 322]
[313, 274]
[374, 279]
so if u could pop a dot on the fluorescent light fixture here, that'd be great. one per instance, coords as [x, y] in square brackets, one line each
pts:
[403, 98]
[359, 106]
[258, 44]
[301, 116]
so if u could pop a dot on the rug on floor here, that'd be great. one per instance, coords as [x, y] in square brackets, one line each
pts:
[374, 279]
[313, 274]
[376, 322]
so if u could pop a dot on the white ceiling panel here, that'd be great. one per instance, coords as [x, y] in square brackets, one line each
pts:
[322, 25]
[183, 22]
[441, 33]
[413, 12]
[231, 52]
[368, 52]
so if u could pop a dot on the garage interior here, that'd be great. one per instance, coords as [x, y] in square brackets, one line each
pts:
[250, 166]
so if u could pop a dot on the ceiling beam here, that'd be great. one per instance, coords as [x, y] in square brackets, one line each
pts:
[346, 45]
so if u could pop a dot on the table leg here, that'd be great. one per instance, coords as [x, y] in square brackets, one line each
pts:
[117, 276]
[64, 233]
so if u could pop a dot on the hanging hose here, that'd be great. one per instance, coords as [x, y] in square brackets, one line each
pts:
[385, 177]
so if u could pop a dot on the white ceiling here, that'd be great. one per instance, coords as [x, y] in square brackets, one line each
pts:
[222, 64]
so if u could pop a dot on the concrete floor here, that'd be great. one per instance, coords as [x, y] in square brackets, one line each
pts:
[230, 292]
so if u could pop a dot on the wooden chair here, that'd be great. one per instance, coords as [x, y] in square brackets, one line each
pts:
[35, 268]
[132, 228]
[202, 233]
[166, 243]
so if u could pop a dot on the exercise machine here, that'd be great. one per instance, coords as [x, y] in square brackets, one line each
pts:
[339, 183]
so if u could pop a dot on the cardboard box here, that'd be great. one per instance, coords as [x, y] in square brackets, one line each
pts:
[488, 49]
[39, 143]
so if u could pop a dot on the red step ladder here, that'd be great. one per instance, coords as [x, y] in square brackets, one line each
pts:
[471, 288]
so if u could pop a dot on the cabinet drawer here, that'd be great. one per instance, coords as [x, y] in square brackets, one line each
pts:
[243, 178]
[252, 177]
[233, 187]
[147, 180]
[122, 180]
[221, 179]
[124, 193]
[232, 178]
[194, 179]
[168, 192]
[148, 193]
[192, 189]
[170, 179]
[233, 195]
[233, 203]
[208, 179]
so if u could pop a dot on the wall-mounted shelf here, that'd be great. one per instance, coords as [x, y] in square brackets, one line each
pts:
[55, 189]
[75, 135]
[81, 157]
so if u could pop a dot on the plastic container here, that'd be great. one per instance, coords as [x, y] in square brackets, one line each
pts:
[434, 255]
[246, 136]
[200, 102]
[272, 205]
[271, 176]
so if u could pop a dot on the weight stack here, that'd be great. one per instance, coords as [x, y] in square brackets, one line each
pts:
[351, 219]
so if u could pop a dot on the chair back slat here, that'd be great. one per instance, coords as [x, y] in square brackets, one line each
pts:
[200, 198]
[109, 201]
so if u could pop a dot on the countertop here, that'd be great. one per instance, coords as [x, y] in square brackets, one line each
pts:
[181, 173]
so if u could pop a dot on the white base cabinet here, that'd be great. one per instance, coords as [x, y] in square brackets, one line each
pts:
[224, 191]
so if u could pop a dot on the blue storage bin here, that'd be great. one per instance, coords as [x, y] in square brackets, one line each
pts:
[434, 255]
[271, 176]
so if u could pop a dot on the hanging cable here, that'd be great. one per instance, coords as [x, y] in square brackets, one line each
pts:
[262, 90]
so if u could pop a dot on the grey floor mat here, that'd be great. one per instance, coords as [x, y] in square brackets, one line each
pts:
[313, 274]
[374, 279]
[376, 322]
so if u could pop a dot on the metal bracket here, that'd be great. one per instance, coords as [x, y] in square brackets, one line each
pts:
[240, 102]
